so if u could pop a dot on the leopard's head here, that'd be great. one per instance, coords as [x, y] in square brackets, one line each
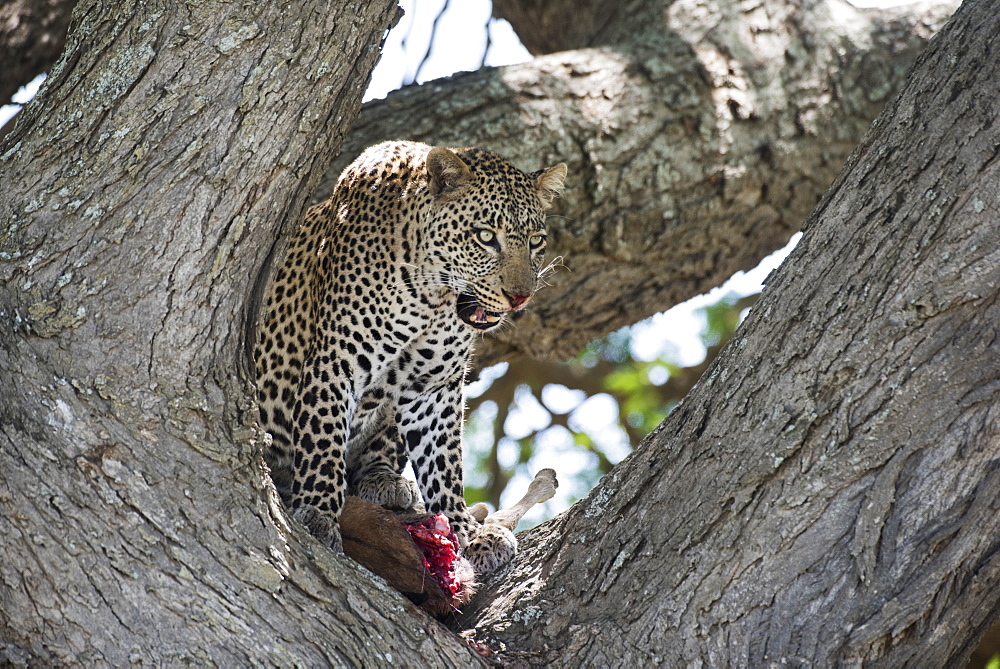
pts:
[486, 230]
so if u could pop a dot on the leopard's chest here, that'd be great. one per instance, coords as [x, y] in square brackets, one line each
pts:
[428, 359]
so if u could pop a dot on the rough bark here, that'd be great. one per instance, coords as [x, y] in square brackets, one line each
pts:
[827, 495]
[697, 147]
[32, 34]
[547, 26]
[142, 191]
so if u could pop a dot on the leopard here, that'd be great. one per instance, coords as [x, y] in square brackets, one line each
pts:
[369, 323]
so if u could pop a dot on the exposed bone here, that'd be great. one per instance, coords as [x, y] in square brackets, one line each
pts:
[540, 490]
[479, 511]
[375, 537]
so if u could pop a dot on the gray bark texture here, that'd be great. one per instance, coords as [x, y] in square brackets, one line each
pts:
[142, 191]
[697, 143]
[32, 34]
[560, 25]
[828, 494]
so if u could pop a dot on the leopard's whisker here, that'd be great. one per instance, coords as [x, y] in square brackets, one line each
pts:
[551, 268]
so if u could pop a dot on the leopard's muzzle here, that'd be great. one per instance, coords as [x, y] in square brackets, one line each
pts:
[473, 313]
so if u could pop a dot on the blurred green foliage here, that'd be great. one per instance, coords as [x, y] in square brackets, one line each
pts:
[583, 416]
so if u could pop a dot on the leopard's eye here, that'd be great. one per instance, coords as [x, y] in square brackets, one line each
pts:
[487, 237]
[537, 241]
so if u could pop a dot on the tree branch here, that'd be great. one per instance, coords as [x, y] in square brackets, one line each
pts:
[143, 191]
[549, 26]
[697, 150]
[32, 34]
[827, 493]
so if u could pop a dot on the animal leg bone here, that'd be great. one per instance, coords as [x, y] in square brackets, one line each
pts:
[540, 490]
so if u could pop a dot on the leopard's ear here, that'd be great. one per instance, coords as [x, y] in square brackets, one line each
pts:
[448, 173]
[550, 184]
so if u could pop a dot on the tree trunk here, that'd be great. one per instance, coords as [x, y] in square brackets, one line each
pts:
[828, 494]
[32, 34]
[143, 190]
[561, 25]
[697, 143]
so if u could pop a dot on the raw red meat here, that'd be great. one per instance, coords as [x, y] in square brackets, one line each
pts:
[439, 545]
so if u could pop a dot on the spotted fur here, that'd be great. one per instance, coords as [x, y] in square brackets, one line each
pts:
[370, 321]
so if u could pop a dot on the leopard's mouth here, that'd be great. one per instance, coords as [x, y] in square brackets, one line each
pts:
[473, 313]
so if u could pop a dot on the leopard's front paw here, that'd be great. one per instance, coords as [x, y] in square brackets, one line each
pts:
[388, 489]
[492, 546]
[321, 525]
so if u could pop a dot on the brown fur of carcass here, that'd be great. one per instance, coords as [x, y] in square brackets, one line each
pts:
[375, 537]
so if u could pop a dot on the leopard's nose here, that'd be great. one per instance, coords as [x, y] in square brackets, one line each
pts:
[516, 299]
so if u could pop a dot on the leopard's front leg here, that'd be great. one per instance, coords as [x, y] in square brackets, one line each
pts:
[430, 423]
[374, 469]
[320, 434]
